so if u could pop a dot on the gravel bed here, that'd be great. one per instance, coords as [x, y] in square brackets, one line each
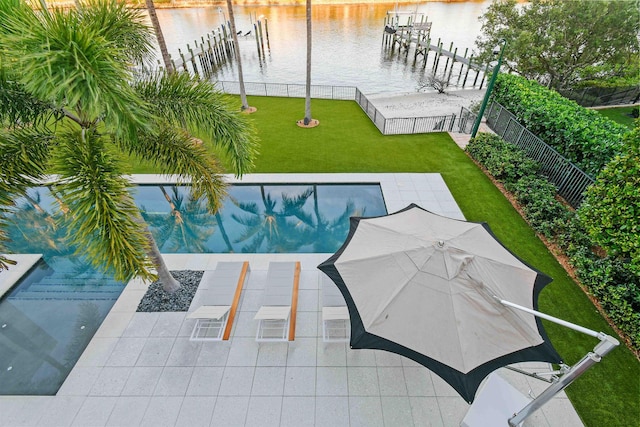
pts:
[155, 299]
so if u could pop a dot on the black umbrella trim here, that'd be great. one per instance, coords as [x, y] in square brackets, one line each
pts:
[465, 384]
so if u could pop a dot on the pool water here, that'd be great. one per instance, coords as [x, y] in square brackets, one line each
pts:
[49, 317]
[258, 218]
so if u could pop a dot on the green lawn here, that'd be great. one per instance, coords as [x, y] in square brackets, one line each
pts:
[621, 115]
[346, 141]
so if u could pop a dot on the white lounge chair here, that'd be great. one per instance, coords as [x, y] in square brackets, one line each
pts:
[276, 316]
[219, 298]
[335, 314]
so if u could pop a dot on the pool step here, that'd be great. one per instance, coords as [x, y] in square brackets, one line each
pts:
[26, 295]
[55, 287]
[78, 281]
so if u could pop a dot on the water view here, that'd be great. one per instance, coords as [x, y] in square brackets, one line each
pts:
[47, 320]
[347, 41]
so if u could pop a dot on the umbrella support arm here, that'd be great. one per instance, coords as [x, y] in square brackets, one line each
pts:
[607, 344]
[569, 325]
[529, 374]
[603, 348]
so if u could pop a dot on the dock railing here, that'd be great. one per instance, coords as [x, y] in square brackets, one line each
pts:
[387, 126]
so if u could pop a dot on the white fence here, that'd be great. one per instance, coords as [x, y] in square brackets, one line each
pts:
[387, 126]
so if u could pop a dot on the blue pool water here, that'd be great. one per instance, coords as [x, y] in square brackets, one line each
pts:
[49, 317]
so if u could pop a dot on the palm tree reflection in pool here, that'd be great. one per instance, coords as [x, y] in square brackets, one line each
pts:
[186, 228]
[289, 227]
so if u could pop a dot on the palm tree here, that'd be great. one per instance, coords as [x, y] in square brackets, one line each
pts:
[70, 103]
[308, 121]
[164, 52]
[243, 95]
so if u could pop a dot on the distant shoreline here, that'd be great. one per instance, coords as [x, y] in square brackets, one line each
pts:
[182, 4]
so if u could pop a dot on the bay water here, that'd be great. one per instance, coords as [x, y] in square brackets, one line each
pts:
[347, 45]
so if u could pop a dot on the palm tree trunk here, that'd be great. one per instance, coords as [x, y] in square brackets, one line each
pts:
[234, 34]
[151, 8]
[169, 283]
[307, 102]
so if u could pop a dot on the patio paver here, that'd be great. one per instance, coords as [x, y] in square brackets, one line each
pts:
[141, 369]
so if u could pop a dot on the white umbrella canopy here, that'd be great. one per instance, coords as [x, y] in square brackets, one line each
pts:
[429, 287]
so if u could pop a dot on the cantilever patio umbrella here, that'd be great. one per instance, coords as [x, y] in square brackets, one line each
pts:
[430, 288]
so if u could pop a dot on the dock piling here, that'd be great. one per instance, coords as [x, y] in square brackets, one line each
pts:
[416, 35]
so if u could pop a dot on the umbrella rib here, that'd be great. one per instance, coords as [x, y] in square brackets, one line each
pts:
[514, 320]
[394, 295]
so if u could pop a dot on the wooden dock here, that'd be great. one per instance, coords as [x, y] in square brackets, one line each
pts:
[414, 35]
[210, 53]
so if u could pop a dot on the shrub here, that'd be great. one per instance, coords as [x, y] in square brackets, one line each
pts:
[609, 279]
[583, 136]
[503, 160]
[611, 209]
[538, 199]
[616, 288]
[484, 145]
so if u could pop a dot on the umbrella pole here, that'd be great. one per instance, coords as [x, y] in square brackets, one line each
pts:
[607, 343]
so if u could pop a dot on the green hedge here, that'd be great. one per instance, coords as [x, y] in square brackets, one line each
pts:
[583, 136]
[610, 280]
[611, 208]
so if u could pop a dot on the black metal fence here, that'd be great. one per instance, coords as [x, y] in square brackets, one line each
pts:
[466, 121]
[568, 178]
[602, 96]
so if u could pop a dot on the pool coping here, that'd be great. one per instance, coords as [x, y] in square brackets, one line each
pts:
[95, 392]
[24, 263]
[427, 189]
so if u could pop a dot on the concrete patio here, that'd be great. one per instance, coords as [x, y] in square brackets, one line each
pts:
[142, 369]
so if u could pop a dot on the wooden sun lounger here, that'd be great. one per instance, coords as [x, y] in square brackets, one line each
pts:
[221, 289]
[277, 316]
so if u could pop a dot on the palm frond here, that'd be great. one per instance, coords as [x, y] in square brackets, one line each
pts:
[177, 153]
[18, 107]
[186, 100]
[66, 61]
[6, 262]
[105, 224]
[18, 11]
[24, 157]
[121, 25]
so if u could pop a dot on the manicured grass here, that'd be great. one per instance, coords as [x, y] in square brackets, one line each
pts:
[620, 115]
[346, 141]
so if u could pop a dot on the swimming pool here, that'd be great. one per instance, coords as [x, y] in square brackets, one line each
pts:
[49, 317]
